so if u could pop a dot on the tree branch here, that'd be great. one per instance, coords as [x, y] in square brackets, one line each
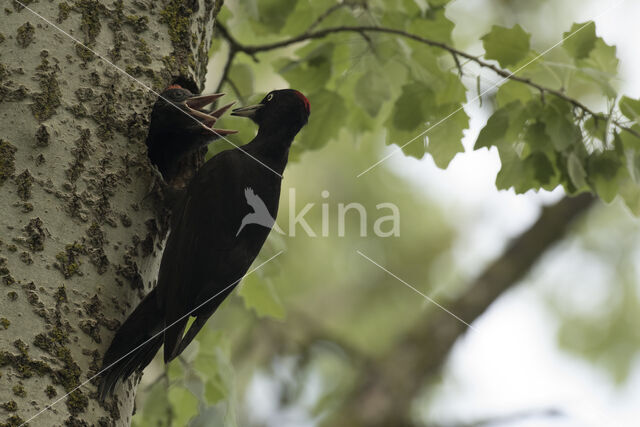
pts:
[252, 50]
[234, 45]
[387, 387]
[234, 88]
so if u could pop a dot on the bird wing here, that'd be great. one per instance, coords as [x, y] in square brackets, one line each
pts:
[202, 252]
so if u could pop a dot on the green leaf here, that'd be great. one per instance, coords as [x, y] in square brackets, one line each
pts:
[312, 72]
[421, 114]
[541, 167]
[602, 58]
[409, 114]
[630, 108]
[513, 91]
[562, 131]
[600, 67]
[218, 375]
[214, 391]
[576, 172]
[328, 115]
[536, 137]
[156, 411]
[605, 173]
[408, 119]
[371, 92]
[273, 14]
[184, 404]
[502, 127]
[630, 193]
[597, 128]
[444, 86]
[259, 294]
[390, 51]
[249, 9]
[513, 172]
[633, 164]
[445, 139]
[434, 25]
[580, 40]
[425, 66]
[629, 140]
[396, 16]
[242, 77]
[450, 89]
[214, 367]
[175, 370]
[305, 13]
[437, 3]
[506, 45]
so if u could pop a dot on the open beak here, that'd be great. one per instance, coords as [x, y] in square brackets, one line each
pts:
[195, 105]
[201, 101]
[249, 111]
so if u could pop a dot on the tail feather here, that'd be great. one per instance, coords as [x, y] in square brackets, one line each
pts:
[172, 353]
[135, 344]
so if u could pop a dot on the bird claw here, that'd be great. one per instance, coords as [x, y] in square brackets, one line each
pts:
[157, 177]
[157, 184]
[168, 195]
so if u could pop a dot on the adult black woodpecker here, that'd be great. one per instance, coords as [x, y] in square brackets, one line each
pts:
[210, 248]
[179, 128]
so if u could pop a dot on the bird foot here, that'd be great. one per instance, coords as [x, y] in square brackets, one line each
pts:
[159, 188]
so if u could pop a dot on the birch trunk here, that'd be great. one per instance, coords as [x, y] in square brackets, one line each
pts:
[80, 238]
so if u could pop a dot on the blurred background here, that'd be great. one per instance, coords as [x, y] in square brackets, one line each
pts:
[321, 336]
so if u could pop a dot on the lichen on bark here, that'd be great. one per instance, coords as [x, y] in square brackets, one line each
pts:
[7, 160]
[76, 221]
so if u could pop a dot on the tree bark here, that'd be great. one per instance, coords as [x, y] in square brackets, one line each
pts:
[81, 238]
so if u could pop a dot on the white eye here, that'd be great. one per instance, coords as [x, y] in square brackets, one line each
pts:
[269, 97]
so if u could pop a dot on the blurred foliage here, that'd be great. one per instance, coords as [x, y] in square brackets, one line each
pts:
[306, 321]
[350, 79]
[597, 306]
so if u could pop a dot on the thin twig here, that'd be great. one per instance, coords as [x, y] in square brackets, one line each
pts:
[326, 14]
[227, 67]
[234, 45]
[234, 87]
[457, 61]
[252, 50]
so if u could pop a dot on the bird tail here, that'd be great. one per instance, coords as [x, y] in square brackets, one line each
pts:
[135, 344]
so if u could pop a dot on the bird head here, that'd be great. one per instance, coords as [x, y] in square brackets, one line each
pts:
[178, 111]
[285, 107]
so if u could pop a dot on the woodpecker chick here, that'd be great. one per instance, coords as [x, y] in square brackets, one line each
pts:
[179, 129]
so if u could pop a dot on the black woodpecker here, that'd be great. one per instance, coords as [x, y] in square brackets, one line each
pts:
[210, 247]
[179, 127]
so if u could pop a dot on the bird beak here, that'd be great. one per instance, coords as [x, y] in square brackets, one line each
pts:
[194, 108]
[249, 111]
[201, 101]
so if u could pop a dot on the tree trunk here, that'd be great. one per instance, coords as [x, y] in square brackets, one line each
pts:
[81, 238]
